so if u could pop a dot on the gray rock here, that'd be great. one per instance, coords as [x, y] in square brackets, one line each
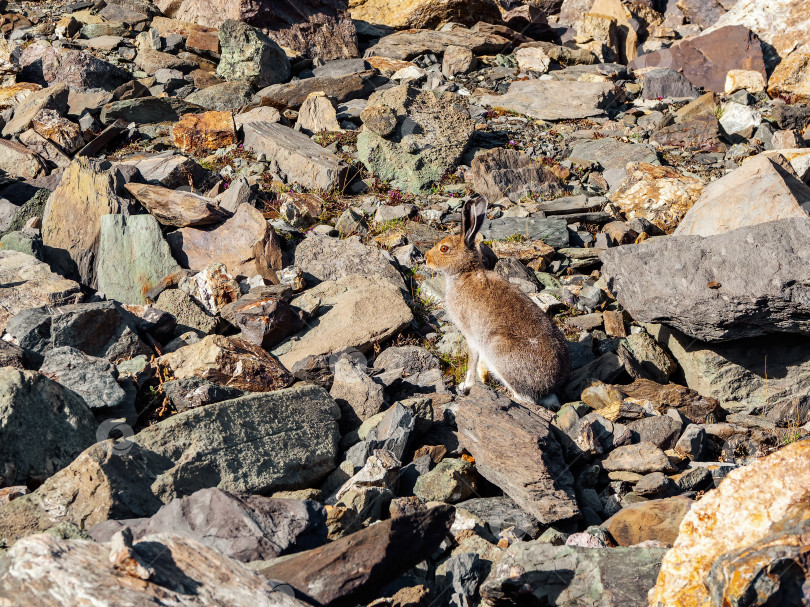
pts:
[451, 481]
[502, 513]
[644, 358]
[28, 242]
[516, 449]
[223, 97]
[427, 137]
[555, 100]
[133, 257]
[94, 379]
[341, 88]
[52, 98]
[243, 527]
[341, 67]
[696, 479]
[409, 370]
[613, 156]
[730, 297]
[358, 395]
[324, 258]
[286, 439]
[298, 158]
[393, 433]
[693, 442]
[43, 426]
[660, 430]
[195, 392]
[249, 54]
[143, 110]
[655, 484]
[666, 84]
[501, 172]
[551, 230]
[190, 315]
[642, 458]
[567, 575]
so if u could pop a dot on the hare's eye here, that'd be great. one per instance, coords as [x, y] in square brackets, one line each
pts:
[444, 249]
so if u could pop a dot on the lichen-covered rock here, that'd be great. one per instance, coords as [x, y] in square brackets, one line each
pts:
[249, 54]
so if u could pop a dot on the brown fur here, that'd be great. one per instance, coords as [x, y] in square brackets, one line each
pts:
[513, 337]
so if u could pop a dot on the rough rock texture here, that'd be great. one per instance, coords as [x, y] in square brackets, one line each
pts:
[568, 575]
[314, 28]
[71, 227]
[356, 312]
[553, 100]
[177, 207]
[424, 14]
[248, 54]
[783, 24]
[517, 450]
[18, 160]
[298, 157]
[285, 439]
[653, 520]
[26, 282]
[751, 299]
[242, 527]
[229, 361]
[133, 257]
[43, 426]
[763, 189]
[49, 98]
[324, 258]
[411, 137]
[354, 568]
[790, 80]
[747, 506]
[499, 172]
[246, 244]
[196, 133]
[49, 571]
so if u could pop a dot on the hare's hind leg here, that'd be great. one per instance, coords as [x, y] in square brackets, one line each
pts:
[473, 359]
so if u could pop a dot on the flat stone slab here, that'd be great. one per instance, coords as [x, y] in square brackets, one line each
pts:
[551, 230]
[555, 100]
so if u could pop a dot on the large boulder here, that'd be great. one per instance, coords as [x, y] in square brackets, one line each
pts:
[287, 439]
[248, 54]
[555, 100]
[133, 257]
[517, 450]
[424, 14]
[79, 70]
[26, 282]
[765, 188]
[158, 569]
[313, 28]
[750, 505]
[567, 575]
[355, 311]
[749, 287]
[412, 137]
[71, 227]
[177, 207]
[43, 426]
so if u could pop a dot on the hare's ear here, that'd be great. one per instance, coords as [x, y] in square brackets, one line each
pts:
[472, 218]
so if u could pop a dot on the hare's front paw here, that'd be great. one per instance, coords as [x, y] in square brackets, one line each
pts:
[463, 388]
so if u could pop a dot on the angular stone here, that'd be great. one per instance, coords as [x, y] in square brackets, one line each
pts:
[614, 156]
[243, 527]
[451, 481]
[245, 244]
[457, 60]
[195, 392]
[603, 578]
[355, 312]
[299, 158]
[555, 100]
[657, 520]
[71, 226]
[355, 567]
[702, 13]
[43, 426]
[661, 430]
[177, 207]
[133, 257]
[286, 439]
[324, 258]
[424, 14]
[553, 231]
[317, 114]
[188, 312]
[692, 443]
[229, 361]
[409, 44]
[358, 395]
[208, 131]
[64, 133]
[501, 172]
[746, 303]
[515, 449]
[428, 139]
[642, 458]
[700, 133]
[266, 321]
[249, 54]
[667, 84]
[341, 88]
[746, 507]
[19, 161]
[739, 119]
[172, 565]
[744, 80]
[150, 61]
[790, 80]
[143, 110]
[223, 97]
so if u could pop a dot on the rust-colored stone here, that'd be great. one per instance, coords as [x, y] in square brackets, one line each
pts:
[206, 131]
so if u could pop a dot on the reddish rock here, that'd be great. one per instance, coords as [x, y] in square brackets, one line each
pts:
[176, 207]
[653, 520]
[701, 133]
[204, 132]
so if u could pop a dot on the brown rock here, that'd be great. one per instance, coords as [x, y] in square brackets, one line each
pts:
[501, 172]
[313, 28]
[177, 207]
[791, 79]
[516, 449]
[71, 226]
[246, 244]
[352, 569]
[12, 95]
[18, 160]
[746, 507]
[424, 14]
[689, 403]
[196, 133]
[409, 44]
[265, 321]
[653, 520]
[700, 133]
[659, 194]
[341, 88]
[229, 361]
[702, 12]
[64, 133]
[535, 254]
[707, 59]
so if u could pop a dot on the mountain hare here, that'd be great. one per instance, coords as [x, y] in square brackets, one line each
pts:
[504, 329]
